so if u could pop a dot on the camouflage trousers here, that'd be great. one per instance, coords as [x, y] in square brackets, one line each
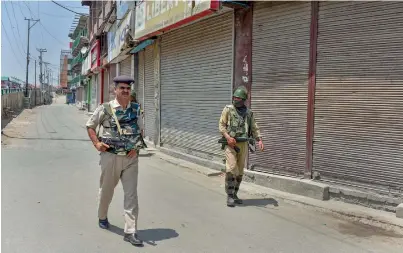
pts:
[234, 167]
[232, 184]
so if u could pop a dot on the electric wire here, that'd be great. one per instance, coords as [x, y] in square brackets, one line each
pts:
[18, 29]
[12, 30]
[9, 42]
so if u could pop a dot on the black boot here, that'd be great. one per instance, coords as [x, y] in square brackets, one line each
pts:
[229, 189]
[230, 201]
[104, 224]
[133, 239]
[237, 184]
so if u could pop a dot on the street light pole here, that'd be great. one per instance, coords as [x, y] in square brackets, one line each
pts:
[35, 83]
[29, 28]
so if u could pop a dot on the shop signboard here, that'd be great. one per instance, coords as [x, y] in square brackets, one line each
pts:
[122, 7]
[154, 17]
[116, 37]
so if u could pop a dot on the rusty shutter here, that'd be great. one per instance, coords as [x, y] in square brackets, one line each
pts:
[280, 64]
[358, 137]
[149, 102]
[196, 78]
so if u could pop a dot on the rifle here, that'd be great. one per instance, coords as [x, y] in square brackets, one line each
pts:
[124, 142]
[251, 143]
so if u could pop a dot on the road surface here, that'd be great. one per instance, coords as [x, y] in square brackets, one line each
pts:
[50, 174]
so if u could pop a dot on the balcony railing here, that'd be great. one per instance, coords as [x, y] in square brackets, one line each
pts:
[79, 42]
[82, 33]
[77, 60]
[76, 79]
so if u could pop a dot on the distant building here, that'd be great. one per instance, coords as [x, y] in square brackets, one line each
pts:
[65, 67]
[11, 83]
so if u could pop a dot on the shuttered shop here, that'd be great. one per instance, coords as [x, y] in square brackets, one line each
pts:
[112, 74]
[126, 67]
[140, 82]
[196, 71]
[94, 89]
[149, 107]
[280, 64]
[358, 136]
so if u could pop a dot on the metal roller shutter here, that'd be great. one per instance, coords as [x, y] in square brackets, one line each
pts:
[126, 67]
[358, 136]
[280, 64]
[149, 103]
[196, 81]
[140, 83]
[112, 74]
[94, 90]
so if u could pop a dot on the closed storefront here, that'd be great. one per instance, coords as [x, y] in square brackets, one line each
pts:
[149, 102]
[196, 84]
[280, 65]
[99, 89]
[126, 67]
[140, 82]
[358, 137]
[112, 75]
[79, 96]
[93, 94]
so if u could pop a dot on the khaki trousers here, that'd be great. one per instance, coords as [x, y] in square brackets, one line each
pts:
[113, 169]
[235, 162]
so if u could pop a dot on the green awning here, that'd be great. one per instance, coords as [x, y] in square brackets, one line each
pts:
[141, 46]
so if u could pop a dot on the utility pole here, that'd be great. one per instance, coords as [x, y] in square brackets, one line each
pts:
[29, 29]
[41, 51]
[35, 84]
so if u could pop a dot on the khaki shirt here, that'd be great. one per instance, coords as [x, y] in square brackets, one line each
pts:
[100, 118]
[225, 120]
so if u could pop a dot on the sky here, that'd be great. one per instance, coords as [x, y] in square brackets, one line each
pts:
[51, 33]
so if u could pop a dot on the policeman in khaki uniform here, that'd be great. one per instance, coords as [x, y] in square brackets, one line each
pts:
[119, 145]
[237, 121]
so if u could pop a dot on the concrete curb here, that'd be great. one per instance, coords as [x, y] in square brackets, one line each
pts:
[303, 187]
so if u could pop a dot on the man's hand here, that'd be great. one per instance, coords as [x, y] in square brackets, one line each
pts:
[231, 142]
[261, 146]
[132, 153]
[101, 147]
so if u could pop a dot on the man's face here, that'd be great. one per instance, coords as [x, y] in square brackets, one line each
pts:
[238, 102]
[122, 91]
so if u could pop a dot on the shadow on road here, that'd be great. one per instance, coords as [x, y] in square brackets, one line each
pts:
[149, 236]
[260, 202]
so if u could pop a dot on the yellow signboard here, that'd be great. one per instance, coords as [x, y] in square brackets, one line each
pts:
[153, 17]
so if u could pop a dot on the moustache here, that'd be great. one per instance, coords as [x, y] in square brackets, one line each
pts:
[125, 93]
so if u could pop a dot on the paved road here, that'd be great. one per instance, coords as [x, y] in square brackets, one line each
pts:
[49, 189]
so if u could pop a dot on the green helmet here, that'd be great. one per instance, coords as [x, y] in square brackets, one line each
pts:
[133, 93]
[241, 92]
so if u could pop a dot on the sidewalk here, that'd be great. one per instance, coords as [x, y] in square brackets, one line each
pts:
[355, 213]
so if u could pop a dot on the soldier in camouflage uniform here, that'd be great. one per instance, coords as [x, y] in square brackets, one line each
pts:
[237, 121]
[119, 119]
